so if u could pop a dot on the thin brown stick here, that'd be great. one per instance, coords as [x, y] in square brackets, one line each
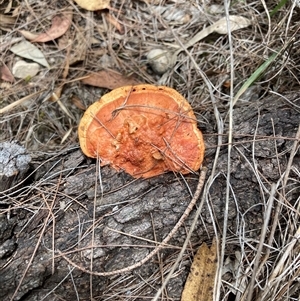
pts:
[160, 246]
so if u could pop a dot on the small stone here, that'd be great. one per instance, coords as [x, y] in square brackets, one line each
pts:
[160, 60]
[22, 69]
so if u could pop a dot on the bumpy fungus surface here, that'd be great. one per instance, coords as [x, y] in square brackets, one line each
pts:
[145, 130]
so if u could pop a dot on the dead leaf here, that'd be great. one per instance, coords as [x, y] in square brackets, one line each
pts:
[109, 79]
[114, 22]
[17, 11]
[78, 103]
[6, 75]
[60, 24]
[28, 35]
[7, 20]
[29, 51]
[93, 5]
[236, 22]
[8, 7]
[200, 282]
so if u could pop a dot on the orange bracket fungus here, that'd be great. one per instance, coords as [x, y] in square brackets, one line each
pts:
[145, 130]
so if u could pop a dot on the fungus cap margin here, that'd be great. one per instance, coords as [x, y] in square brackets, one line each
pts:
[120, 116]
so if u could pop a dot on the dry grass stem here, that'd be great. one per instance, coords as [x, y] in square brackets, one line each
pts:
[69, 221]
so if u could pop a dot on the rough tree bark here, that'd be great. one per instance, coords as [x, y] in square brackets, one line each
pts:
[61, 209]
[14, 163]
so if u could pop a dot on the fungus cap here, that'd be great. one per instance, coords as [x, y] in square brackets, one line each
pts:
[145, 130]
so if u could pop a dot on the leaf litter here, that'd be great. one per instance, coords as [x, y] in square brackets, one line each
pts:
[5, 74]
[127, 57]
[200, 283]
[93, 5]
[109, 79]
[29, 51]
[60, 25]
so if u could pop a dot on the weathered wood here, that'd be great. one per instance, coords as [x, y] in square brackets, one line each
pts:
[64, 212]
[14, 163]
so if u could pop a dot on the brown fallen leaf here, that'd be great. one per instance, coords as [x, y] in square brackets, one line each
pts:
[7, 20]
[109, 79]
[78, 103]
[93, 5]
[112, 20]
[8, 7]
[60, 24]
[200, 282]
[28, 34]
[6, 75]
